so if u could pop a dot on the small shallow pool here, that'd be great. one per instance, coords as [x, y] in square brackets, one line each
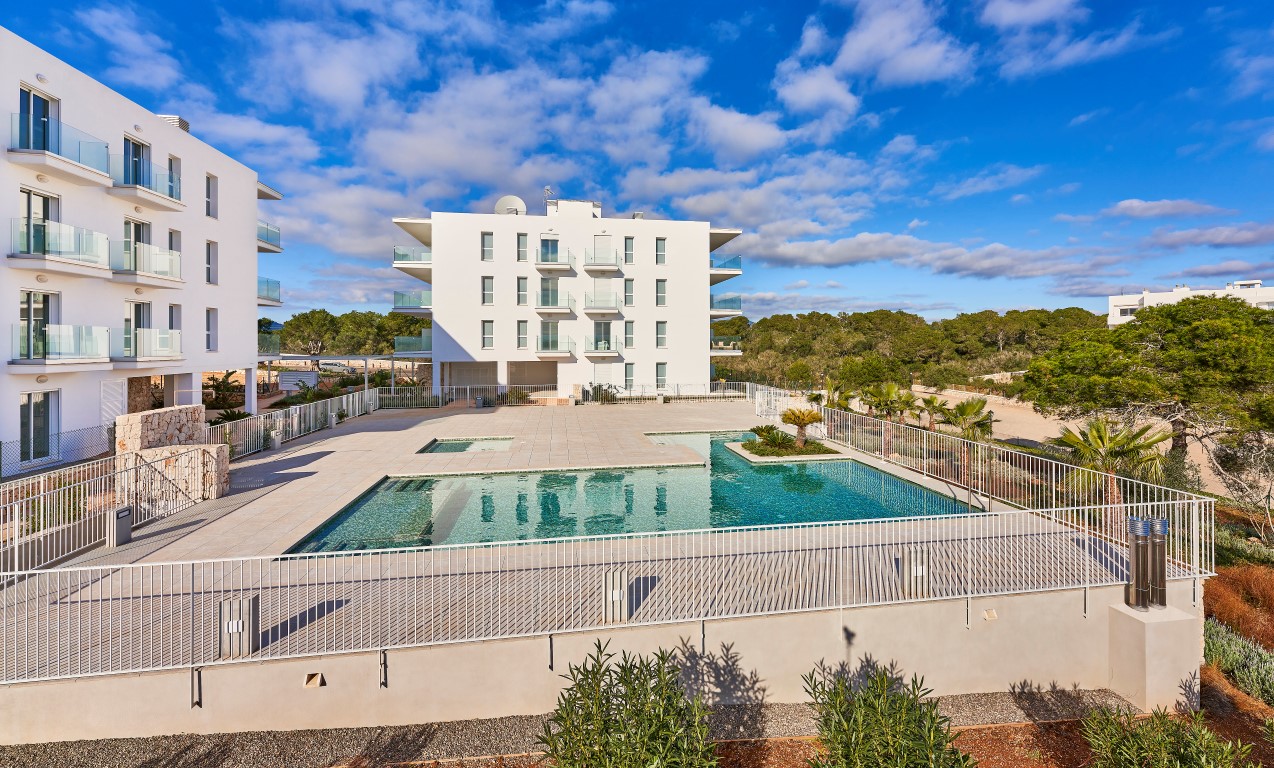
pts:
[405, 512]
[478, 445]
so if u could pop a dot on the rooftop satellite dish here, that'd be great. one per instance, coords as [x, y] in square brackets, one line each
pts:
[510, 204]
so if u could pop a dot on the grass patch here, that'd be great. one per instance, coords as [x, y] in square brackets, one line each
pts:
[812, 448]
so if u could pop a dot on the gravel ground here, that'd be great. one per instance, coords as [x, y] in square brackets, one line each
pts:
[511, 735]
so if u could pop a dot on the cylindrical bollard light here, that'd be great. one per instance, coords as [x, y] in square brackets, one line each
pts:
[1159, 563]
[1138, 563]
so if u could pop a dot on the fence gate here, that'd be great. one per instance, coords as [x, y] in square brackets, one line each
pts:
[114, 400]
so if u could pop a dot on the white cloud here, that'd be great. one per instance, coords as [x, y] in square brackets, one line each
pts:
[1087, 116]
[899, 42]
[1071, 218]
[1032, 52]
[138, 56]
[733, 136]
[1236, 268]
[765, 303]
[1161, 209]
[1231, 236]
[1266, 142]
[814, 90]
[1013, 14]
[1253, 72]
[833, 284]
[915, 224]
[1020, 199]
[797, 286]
[993, 179]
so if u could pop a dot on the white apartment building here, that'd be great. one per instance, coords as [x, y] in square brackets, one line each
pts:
[131, 253]
[570, 298]
[1122, 308]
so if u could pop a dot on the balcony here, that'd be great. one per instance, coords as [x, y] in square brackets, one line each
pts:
[602, 303]
[415, 346]
[269, 345]
[554, 303]
[554, 346]
[51, 246]
[269, 292]
[417, 261]
[604, 346]
[601, 261]
[269, 238]
[55, 148]
[413, 302]
[59, 349]
[145, 264]
[725, 346]
[722, 268]
[554, 261]
[143, 183]
[145, 347]
[725, 306]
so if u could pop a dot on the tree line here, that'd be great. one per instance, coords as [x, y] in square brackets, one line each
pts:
[319, 332]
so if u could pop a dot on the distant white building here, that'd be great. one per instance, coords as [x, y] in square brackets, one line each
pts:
[569, 298]
[1123, 307]
[131, 253]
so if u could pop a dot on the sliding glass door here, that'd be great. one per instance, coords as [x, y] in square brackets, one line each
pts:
[35, 420]
[34, 313]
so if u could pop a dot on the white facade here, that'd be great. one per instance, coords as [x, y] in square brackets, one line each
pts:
[130, 252]
[569, 298]
[1122, 308]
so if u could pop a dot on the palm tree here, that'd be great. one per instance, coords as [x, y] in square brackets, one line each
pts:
[971, 419]
[933, 407]
[908, 405]
[885, 400]
[801, 418]
[814, 398]
[1110, 449]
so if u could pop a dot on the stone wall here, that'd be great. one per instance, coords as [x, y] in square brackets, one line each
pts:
[201, 472]
[140, 397]
[178, 425]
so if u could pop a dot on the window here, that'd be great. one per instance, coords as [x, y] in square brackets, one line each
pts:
[37, 413]
[548, 336]
[661, 334]
[210, 263]
[628, 292]
[548, 293]
[36, 126]
[522, 330]
[521, 291]
[1127, 311]
[210, 329]
[174, 317]
[488, 290]
[35, 315]
[210, 195]
[136, 163]
[488, 246]
[136, 237]
[661, 293]
[628, 249]
[661, 374]
[628, 375]
[173, 187]
[33, 233]
[661, 250]
[521, 246]
[174, 241]
[488, 334]
[548, 251]
[628, 333]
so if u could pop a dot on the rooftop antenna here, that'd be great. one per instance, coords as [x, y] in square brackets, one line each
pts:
[548, 192]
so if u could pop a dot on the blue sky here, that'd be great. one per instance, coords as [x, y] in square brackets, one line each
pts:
[909, 154]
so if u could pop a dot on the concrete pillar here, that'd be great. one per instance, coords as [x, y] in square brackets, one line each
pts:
[502, 373]
[1154, 655]
[250, 389]
[437, 378]
[170, 390]
[187, 388]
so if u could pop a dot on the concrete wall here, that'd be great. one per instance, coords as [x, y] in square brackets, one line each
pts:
[1035, 639]
[177, 425]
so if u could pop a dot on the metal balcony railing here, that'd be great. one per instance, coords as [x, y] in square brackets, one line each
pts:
[31, 133]
[53, 238]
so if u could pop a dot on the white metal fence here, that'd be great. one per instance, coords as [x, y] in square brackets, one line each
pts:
[249, 435]
[59, 448]
[47, 519]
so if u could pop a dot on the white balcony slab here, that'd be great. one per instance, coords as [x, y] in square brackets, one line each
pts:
[146, 198]
[60, 167]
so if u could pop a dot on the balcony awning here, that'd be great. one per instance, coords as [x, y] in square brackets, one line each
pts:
[267, 192]
[421, 229]
[718, 237]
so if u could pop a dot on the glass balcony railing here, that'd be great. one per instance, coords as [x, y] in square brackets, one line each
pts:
[725, 262]
[136, 172]
[418, 254]
[602, 258]
[60, 342]
[730, 343]
[145, 342]
[601, 343]
[413, 299]
[268, 233]
[554, 344]
[145, 258]
[53, 238]
[554, 300]
[269, 343]
[28, 132]
[731, 303]
[554, 258]
[415, 344]
[268, 289]
[603, 301]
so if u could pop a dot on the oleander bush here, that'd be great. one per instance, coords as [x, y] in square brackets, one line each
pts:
[882, 722]
[225, 417]
[1119, 740]
[630, 712]
[1250, 666]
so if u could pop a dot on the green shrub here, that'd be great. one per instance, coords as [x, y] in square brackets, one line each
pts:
[513, 397]
[633, 713]
[882, 723]
[1118, 740]
[762, 430]
[225, 417]
[1233, 547]
[787, 448]
[1250, 666]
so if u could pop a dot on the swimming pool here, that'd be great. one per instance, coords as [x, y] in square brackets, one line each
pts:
[471, 509]
[476, 445]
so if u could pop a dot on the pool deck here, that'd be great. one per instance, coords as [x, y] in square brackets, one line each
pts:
[278, 497]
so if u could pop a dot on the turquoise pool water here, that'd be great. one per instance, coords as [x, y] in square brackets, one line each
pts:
[479, 445]
[402, 512]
